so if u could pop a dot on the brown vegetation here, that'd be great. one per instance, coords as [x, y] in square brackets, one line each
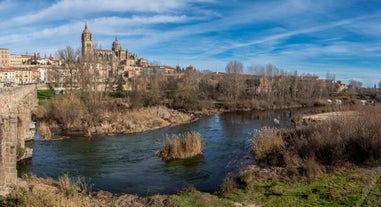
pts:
[78, 115]
[269, 142]
[322, 146]
[37, 192]
[181, 146]
[44, 131]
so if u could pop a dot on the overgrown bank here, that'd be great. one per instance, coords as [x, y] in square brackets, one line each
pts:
[88, 113]
[354, 139]
[279, 180]
[103, 116]
[334, 162]
[356, 187]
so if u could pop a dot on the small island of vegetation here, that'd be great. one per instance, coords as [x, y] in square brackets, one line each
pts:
[181, 146]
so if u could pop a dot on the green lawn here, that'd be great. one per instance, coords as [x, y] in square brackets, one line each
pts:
[44, 95]
[359, 187]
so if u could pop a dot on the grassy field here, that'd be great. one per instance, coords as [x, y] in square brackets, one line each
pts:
[358, 187]
[44, 95]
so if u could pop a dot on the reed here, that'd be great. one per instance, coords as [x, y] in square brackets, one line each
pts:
[334, 143]
[181, 146]
[269, 141]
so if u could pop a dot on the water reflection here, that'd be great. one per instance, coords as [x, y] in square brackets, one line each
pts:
[128, 164]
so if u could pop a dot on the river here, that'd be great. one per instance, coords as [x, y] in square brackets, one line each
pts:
[128, 164]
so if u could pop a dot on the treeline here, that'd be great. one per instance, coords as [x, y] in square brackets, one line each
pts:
[266, 87]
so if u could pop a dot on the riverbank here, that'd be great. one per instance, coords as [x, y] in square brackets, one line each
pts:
[112, 122]
[350, 187]
[99, 114]
[300, 182]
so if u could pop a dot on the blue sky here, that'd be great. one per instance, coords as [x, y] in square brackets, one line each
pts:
[342, 37]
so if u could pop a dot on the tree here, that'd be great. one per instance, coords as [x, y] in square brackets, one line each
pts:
[233, 85]
[354, 84]
[70, 61]
[331, 83]
[234, 67]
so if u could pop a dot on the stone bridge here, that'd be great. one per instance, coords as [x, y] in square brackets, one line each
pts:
[16, 106]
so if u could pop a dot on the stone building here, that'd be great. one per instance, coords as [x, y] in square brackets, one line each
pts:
[121, 61]
[4, 57]
[21, 75]
[15, 59]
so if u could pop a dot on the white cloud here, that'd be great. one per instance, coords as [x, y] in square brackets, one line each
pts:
[85, 9]
[201, 33]
[71, 9]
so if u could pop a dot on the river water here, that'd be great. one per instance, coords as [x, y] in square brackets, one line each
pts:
[128, 164]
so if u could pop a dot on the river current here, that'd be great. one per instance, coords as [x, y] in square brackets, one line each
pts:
[128, 164]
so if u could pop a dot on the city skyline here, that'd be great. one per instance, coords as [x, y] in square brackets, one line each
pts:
[338, 37]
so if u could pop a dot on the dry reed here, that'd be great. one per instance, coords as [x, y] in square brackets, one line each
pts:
[180, 146]
[334, 143]
[268, 142]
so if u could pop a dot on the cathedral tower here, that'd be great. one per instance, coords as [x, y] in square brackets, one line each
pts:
[87, 43]
[117, 47]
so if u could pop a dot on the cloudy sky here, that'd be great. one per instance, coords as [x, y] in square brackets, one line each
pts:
[342, 37]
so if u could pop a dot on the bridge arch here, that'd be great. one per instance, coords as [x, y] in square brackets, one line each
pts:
[16, 106]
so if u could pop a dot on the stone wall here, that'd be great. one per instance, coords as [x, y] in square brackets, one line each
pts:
[16, 106]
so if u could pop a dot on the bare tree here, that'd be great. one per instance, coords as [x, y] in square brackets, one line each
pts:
[70, 61]
[354, 84]
[234, 67]
[331, 83]
[233, 82]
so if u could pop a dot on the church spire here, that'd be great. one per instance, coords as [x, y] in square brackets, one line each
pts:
[87, 42]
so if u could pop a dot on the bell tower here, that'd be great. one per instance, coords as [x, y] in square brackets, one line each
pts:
[117, 47]
[87, 43]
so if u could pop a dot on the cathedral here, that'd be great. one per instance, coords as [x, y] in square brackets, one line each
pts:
[120, 59]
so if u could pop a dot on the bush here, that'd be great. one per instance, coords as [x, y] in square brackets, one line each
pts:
[337, 142]
[48, 192]
[269, 142]
[228, 186]
[181, 146]
[44, 131]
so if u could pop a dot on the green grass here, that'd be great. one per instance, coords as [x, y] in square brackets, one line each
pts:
[360, 187]
[44, 95]
[119, 94]
[193, 198]
[353, 188]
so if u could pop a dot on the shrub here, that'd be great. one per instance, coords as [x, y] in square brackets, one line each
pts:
[245, 177]
[181, 146]
[68, 187]
[337, 142]
[20, 151]
[269, 142]
[228, 186]
[44, 131]
[48, 192]
[292, 163]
